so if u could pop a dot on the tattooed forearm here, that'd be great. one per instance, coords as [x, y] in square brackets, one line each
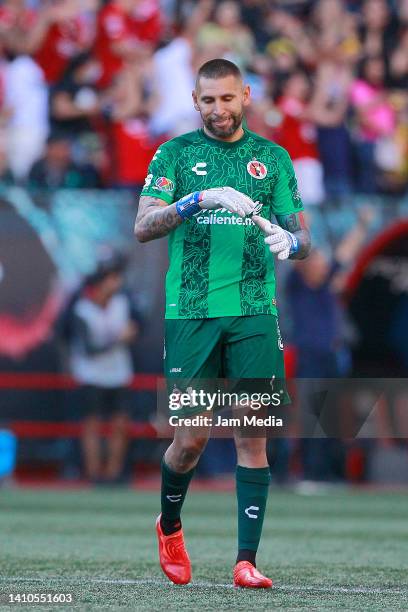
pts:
[291, 222]
[155, 219]
[296, 224]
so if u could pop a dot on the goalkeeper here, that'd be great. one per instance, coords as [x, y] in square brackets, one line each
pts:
[214, 192]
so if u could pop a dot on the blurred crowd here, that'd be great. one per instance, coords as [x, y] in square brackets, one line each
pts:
[89, 89]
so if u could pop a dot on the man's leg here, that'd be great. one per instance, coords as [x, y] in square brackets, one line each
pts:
[252, 485]
[254, 357]
[117, 400]
[193, 348]
[91, 447]
[178, 467]
[252, 482]
[117, 446]
[177, 470]
[92, 401]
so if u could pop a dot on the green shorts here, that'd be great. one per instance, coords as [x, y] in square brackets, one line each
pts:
[246, 350]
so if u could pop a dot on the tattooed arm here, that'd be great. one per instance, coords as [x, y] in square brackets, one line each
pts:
[295, 224]
[155, 219]
[289, 239]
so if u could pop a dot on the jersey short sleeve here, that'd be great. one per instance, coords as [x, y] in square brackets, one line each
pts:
[285, 197]
[160, 181]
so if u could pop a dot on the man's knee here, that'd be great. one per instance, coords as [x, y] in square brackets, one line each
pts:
[250, 449]
[186, 452]
[250, 446]
[120, 423]
[91, 425]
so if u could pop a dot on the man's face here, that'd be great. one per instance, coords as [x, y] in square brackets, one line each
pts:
[111, 284]
[59, 152]
[221, 104]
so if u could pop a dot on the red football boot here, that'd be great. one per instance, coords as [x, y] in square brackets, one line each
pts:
[247, 576]
[174, 559]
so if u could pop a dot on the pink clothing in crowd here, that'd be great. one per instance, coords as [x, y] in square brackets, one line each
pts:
[378, 114]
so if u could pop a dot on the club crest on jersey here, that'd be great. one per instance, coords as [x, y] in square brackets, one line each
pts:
[257, 169]
[164, 184]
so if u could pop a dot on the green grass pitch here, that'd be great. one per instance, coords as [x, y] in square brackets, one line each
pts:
[343, 551]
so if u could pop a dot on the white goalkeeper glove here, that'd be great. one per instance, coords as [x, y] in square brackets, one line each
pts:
[281, 242]
[229, 198]
[217, 197]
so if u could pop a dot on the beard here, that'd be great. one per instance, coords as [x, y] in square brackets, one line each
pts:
[228, 130]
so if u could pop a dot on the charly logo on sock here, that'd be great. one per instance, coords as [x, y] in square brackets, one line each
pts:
[174, 498]
[248, 512]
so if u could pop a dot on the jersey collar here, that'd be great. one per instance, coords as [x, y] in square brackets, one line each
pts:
[222, 143]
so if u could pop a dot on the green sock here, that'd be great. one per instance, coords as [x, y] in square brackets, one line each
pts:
[173, 491]
[252, 493]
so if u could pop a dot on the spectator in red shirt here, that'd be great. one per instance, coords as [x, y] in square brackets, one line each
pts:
[16, 21]
[133, 149]
[298, 134]
[123, 27]
[128, 105]
[146, 20]
[58, 34]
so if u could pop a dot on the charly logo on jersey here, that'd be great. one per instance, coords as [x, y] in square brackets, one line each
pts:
[257, 169]
[199, 168]
[164, 184]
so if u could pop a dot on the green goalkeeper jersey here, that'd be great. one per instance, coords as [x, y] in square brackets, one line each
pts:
[219, 263]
